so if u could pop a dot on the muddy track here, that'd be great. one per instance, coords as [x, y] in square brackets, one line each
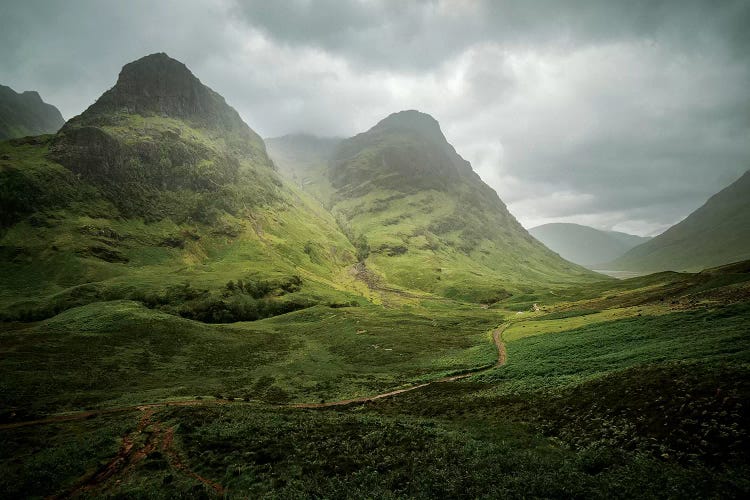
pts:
[133, 450]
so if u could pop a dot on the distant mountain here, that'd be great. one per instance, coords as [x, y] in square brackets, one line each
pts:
[715, 234]
[26, 114]
[420, 217]
[585, 245]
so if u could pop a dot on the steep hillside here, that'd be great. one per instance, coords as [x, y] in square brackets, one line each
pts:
[26, 114]
[159, 192]
[585, 245]
[715, 234]
[422, 218]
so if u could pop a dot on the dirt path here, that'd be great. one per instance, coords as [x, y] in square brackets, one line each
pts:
[502, 358]
[497, 337]
[133, 450]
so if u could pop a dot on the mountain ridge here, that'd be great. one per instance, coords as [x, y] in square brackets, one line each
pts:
[420, 217]
[585, 245]
[26, 114]
[159, 132]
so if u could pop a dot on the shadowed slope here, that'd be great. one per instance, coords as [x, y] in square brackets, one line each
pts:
[715, 234]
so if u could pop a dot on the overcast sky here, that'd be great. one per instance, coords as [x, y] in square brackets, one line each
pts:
[622, 115]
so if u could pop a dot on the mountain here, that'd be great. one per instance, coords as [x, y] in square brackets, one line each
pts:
[421, 218]
[159, 134]
[715, 234]
[585, 245]
[160, 193]
[26, 114]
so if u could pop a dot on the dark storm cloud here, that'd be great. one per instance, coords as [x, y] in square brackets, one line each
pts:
[418, 34]
[615, 114]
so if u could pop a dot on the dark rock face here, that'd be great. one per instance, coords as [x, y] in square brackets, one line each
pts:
[159, 85]
[406, 150]
[166, 163]
[26, 114]
[160, 137]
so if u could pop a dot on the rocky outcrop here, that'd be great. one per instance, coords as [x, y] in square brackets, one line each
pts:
[160, 140]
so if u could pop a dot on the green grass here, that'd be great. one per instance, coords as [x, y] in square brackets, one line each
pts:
[120, 352]
[571, 356]
[589, 404]
[40, 461]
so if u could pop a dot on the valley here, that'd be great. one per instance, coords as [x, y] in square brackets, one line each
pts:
[185, 313]
[532, 408]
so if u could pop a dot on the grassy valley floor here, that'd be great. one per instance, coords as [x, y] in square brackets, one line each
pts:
[637, 388]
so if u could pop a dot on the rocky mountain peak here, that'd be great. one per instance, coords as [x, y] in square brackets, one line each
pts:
[412, 121]
[159, 85]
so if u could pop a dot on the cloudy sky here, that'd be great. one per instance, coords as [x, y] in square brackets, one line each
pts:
[622, 115]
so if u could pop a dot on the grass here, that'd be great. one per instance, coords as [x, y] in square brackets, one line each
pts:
[566, 353]
[591, 402]
[39, 461]
[120, 352]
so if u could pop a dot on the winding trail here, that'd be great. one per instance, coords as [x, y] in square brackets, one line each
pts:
[497, 337]
[134, 448]
[502, 358]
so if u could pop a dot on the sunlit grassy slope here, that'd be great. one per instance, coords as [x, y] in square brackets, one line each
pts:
[421, 218]
[69, 245]
[320, 353]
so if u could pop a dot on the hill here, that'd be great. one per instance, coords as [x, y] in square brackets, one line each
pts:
[717, 233]
[160, 193]
[26, 114]
[422, 218]
[585, 245]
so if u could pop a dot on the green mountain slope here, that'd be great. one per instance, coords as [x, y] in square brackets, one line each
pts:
[26, 114]
[715, 234]
[159, 192]
[585, 245]
[421, 218]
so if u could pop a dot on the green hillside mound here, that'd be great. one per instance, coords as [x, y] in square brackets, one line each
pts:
[715, 234]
